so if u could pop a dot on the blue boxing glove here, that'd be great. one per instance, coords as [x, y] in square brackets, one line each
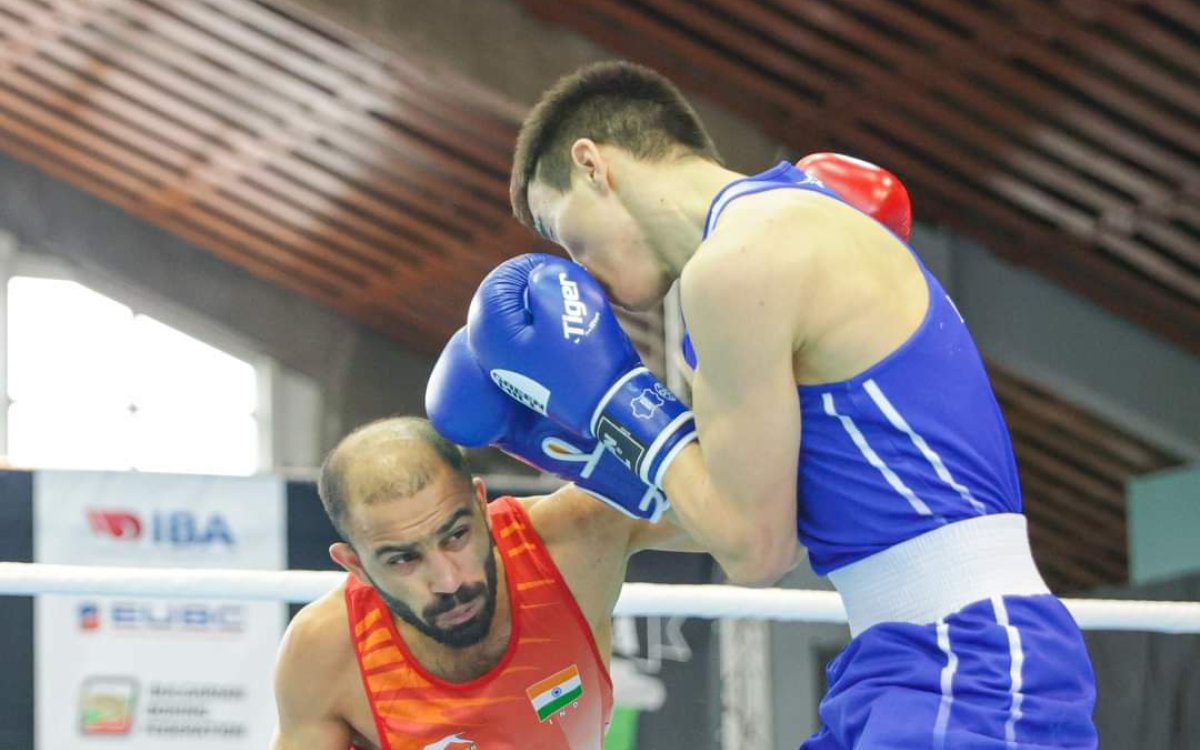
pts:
[543, 330]
[468, 409]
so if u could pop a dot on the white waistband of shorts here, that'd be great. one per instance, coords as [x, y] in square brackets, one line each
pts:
[940, 572]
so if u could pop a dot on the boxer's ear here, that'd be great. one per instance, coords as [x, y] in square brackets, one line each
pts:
[481, 498]
[590, 163]
[343, 554]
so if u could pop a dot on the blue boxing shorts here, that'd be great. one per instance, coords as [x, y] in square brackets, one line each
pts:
[1005, 673]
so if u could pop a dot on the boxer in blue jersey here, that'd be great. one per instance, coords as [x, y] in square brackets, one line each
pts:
[839, 403]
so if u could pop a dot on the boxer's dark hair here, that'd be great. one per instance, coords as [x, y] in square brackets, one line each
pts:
[407, 471]
[615, 102]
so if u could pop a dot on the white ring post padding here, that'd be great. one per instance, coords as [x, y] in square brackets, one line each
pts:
[637, 599]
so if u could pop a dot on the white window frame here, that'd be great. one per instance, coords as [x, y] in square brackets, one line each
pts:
[14, 262]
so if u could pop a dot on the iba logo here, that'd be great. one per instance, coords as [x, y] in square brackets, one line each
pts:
[177, 528]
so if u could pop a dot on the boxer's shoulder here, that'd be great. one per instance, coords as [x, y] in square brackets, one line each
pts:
[316, 660]
[589, 544]
[316, 646]
[790, 226]
[569, 516]
[768, 247]
[748, 272]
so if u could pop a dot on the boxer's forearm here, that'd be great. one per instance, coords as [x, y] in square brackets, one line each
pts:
[750, 544]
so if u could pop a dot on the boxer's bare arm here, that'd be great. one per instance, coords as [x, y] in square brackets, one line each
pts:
[614, 531]
[308, 673]
[793, 287]
[591, 544]
[735, 492]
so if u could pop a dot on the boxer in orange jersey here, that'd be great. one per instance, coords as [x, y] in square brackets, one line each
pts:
[462, 624]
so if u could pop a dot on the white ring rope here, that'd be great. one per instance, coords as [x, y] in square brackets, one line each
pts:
[637, 599]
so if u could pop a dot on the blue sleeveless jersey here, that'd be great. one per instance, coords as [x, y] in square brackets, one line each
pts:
[914, 442]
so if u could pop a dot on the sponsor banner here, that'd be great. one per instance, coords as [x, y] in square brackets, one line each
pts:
[141, 673]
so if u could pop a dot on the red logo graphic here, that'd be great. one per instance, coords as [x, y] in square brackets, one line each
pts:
[89, 616]
[118, 524]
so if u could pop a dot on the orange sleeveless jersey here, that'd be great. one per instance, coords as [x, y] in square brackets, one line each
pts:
[549, 691]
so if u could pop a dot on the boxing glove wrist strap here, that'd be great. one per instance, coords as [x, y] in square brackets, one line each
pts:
[593, 470]
[641, 422]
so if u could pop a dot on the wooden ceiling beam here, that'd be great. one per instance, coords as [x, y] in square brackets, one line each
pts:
[900, 73]
[1123, 19]
[232, 185]
[666, 47]
[1052, 22]
[1100, 555]
[1053, 495]
[35, 147]
[153, 172]
[1063, 571]
[992, 31]
[1181, 11]
[382, 71]
[1059, 258]
[345, 208]
[64, 86]
[295, 103]
[349, 89]
[434, 196]
[1037, 436]
[260, 123]
[1067, 261]
[1055, 413]
[881, 83]
[1090, 488]
[101, 180]
[959, 60]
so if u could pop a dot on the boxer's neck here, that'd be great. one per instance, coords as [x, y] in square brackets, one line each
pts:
[670, 200]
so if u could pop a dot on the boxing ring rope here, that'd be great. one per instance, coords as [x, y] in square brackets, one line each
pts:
[710, 601]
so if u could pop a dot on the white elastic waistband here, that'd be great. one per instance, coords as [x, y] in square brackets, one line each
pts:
[940, 572]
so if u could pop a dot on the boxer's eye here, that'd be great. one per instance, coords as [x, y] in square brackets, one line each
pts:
[457, 538]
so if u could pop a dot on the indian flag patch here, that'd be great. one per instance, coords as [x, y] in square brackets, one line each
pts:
[555, 692]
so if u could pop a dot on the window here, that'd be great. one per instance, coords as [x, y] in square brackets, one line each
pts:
[94, 384]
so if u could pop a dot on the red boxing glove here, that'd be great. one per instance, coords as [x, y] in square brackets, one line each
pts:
[869, 188]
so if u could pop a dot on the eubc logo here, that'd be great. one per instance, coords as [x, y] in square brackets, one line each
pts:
[89, 617]
[222, 618]
[141, 616]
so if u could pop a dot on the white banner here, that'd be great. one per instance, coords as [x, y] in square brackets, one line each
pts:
[137, 674]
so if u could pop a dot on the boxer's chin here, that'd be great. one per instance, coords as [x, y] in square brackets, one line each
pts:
[637, 305]
[643, 296]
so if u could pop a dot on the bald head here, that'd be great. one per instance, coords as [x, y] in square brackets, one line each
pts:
[389, 459]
